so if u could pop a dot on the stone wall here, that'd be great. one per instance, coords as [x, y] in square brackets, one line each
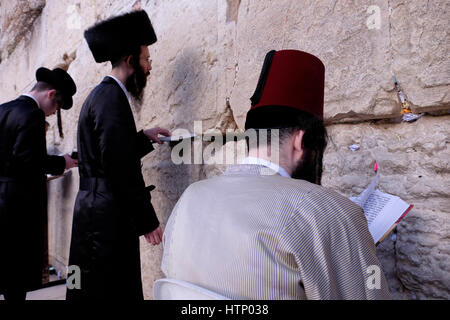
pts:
[212, 50]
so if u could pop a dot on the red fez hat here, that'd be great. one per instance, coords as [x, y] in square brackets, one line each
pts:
[291, 82]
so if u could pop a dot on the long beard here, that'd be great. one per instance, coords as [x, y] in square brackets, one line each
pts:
[136, 83]
[307, 168]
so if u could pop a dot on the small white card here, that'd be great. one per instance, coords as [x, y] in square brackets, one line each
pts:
[177, 137]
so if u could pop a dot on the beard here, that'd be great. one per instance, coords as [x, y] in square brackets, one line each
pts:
[136, 83]
[307, 168]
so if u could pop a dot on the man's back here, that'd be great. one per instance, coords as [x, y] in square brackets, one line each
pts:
[99, 113]
[112, 208]
[250, 236]
[23, 194]
[22, 138]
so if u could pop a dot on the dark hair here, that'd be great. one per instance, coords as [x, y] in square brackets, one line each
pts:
[135, 54]
[44, 86]
[314, 142]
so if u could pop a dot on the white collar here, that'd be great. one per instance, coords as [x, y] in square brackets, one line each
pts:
[121, 85]
[30, 96]
[254, 160]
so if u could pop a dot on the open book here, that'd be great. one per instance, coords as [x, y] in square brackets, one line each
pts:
[383, 211]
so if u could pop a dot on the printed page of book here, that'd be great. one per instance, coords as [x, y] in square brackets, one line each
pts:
[382, 210]
[363, 196]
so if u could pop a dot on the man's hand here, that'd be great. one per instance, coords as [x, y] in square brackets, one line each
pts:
[70, 163]
[152, 134]
[154, 237]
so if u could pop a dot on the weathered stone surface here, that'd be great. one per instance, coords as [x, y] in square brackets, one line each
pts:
[420, 45]
[16, 22]
[357, 59]
[210, 50]
[423, 253]
[183, 83]
[360, 59]
[414, 162]
[414, 158]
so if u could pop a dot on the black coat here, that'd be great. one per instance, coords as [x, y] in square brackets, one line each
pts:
[23, 193]
[113, 207]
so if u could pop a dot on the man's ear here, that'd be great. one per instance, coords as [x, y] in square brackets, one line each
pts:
[51, 93]
[129, 61]
[298, 139]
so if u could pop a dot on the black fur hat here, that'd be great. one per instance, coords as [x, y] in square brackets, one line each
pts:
[120, 36]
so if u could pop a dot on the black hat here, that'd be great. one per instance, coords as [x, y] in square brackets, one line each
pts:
[61, 81]
[120, 36]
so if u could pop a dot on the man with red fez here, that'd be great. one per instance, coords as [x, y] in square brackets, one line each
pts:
[266, 230]
[24, 164]
[113, 206]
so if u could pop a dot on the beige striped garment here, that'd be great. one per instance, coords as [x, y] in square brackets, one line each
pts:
[251, 235]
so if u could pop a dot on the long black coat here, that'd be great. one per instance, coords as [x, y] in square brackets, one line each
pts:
[112, 208]
[23, 193]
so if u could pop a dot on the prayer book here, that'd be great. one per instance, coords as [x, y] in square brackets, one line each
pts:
[383, 211]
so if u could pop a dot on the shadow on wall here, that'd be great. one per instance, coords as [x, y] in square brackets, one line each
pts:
[187, 84]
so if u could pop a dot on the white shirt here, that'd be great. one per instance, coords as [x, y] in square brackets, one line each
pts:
[30, 96]
[121, 85]
[280, 170]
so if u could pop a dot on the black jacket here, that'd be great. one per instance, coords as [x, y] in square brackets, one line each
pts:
[23, 193]
[113, 207]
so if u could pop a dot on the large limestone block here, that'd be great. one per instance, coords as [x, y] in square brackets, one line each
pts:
[414, 165]
[183, 83]
[16, 23]
[420, 47]
[414, 158]
[423, 253]
[357, 59]
[362, 46]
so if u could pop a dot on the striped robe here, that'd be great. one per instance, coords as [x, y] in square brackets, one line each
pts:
[252, 235]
